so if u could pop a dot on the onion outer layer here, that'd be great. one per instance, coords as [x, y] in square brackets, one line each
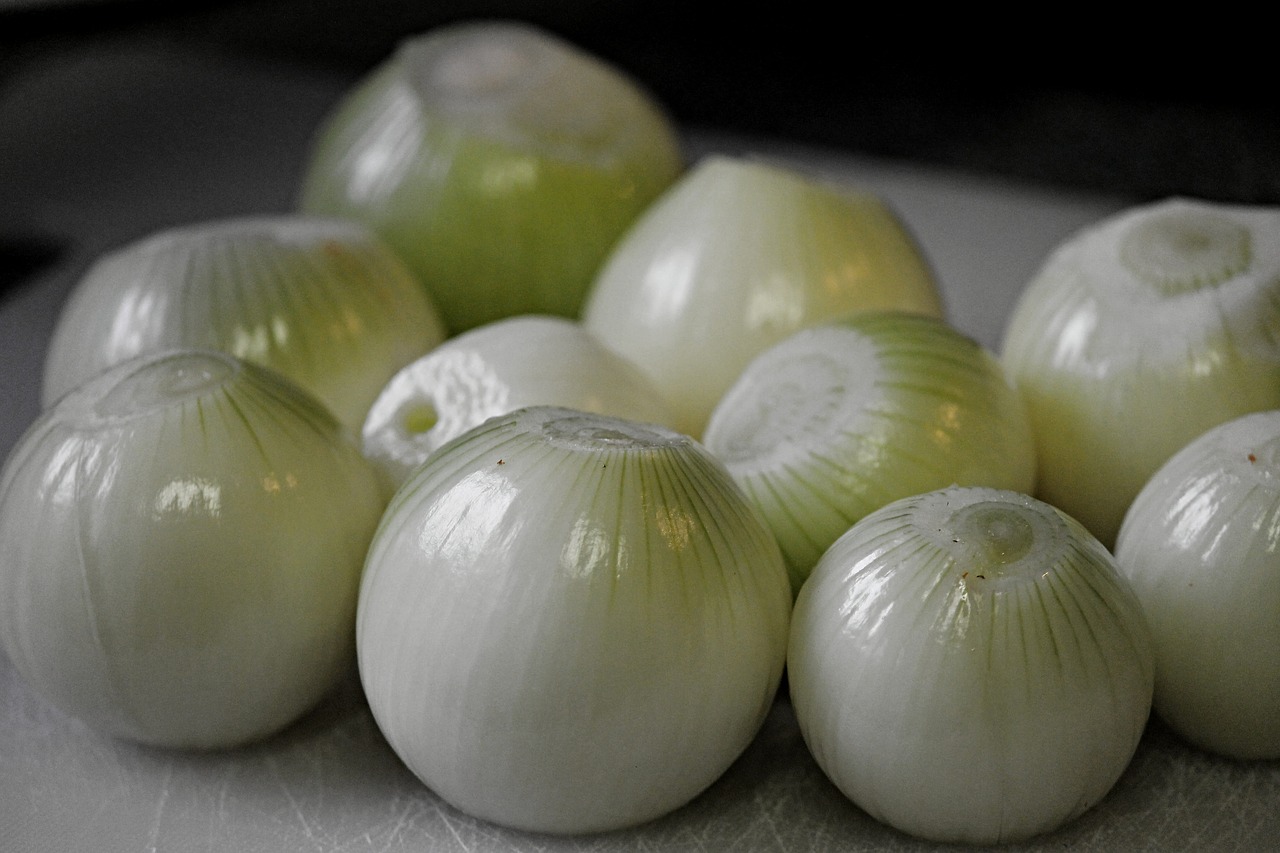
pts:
[968, 665]
[323, 302]
[839, 419]
[499, 161]
[494, 369]
[1200, 546]
[571, 623]
[181, 539]
[1138, 334]
[736, 256]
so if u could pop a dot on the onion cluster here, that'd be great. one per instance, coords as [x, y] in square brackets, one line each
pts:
[692, 427]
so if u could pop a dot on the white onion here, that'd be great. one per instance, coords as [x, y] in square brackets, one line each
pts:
[734, 257]
[181, 539]
[323, 302]
[494, 369]
[500, 161]
[968, 665]
[1138, 334]
[839, 419]
[1201, 547]
[570, 622]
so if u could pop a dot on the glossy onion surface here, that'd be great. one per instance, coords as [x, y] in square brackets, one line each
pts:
[737, 255]
[570, 622]
[501, 163]
[323, 302]
[1201, 547]
[530, 360]
[1138, 334]
[839, 419]
[968, 665]
[181, 541]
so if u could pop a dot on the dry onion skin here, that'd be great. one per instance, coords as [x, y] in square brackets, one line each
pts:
[570, 622]
[1137, 335]
[181, 540]
[968, 665]
[1199, 545]
[734, 257]
[530, 360]
[501, 162]
[324, 302]
[840, 419]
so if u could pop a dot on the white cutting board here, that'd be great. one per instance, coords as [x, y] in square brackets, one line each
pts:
[105, 145]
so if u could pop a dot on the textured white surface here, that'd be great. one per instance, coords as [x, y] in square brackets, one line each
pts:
[107, 146]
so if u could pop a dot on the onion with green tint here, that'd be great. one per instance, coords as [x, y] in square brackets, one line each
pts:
[494, 369]
[501, 162]
[842, 418]
[571, 623]
[323, 302]
[181, 540]
[1137, 335]
[1199, 545]
[968, 665]
[736, 256]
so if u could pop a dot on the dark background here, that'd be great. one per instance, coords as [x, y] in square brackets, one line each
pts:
[1172, 103]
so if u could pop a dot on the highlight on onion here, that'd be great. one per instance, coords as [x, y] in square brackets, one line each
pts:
[839, 419]
[1199, 547]
[571, 622]
[501, 162]
[1138, 334]
[494, 369]
[324, 302]
[181, 540]
[737, 255]
[969, 665]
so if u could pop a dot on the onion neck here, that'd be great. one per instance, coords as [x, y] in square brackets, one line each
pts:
[991, 535]
[1180, 251]
[1001, 534]
[590, 432]
[164, 382]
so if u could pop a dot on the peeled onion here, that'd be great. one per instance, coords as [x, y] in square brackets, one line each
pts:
[1138, 334]
[500, 161]
[839, 419]
[181, 540]
[321, 301]
[1201, 547]
[734, 257]
[968, 665]
[494, 369]
[570, 622]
